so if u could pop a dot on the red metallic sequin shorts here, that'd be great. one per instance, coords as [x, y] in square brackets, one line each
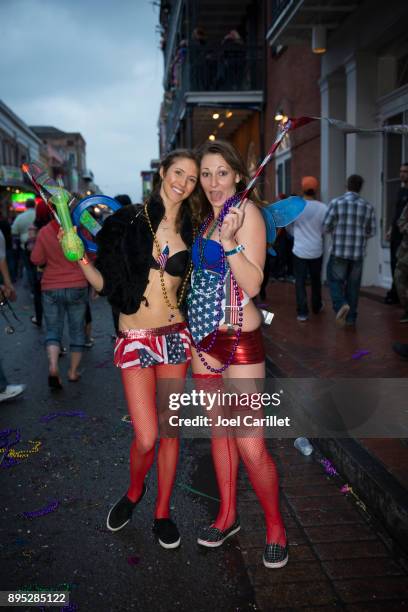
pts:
[250, 349]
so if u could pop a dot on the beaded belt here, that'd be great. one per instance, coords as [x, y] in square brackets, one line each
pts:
[135, 334]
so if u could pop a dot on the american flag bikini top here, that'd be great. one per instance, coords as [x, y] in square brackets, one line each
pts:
[207, 285]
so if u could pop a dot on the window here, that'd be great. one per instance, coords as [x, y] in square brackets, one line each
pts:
[72, 158]
[283, 175]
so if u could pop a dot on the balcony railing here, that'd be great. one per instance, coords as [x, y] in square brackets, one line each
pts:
[212, 68]
[173, 26]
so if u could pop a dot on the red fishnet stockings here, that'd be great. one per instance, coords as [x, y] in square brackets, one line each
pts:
[261, 469]
[141, 385]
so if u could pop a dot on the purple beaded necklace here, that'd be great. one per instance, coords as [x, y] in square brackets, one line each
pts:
[225, 209]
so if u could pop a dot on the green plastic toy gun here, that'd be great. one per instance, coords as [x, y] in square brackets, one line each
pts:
[72, 245]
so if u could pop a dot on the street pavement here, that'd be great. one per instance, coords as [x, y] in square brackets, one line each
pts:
[75, 464]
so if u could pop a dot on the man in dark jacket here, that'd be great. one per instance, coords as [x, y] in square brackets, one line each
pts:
[394, 234]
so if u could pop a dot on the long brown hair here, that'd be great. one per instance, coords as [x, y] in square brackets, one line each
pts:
[194, 201]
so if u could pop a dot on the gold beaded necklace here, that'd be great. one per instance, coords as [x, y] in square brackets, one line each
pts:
[161, 271]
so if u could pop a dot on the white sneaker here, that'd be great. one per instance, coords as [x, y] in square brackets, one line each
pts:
[11, 391]
[302, 318]
[342, 314]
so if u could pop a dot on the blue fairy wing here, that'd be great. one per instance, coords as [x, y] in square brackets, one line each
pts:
[270, 225]
[285, 211]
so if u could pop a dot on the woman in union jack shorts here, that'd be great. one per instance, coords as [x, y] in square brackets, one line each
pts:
[228, 258]
[143, 266]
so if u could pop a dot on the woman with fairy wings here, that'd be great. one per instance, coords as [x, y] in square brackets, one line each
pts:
[228, 257]
[143, 266]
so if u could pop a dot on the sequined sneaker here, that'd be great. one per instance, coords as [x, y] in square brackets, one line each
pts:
[167, 533]
[212, 536]
[275, 555]
[121, 513]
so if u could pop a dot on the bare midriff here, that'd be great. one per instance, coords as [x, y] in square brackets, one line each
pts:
[155, 313]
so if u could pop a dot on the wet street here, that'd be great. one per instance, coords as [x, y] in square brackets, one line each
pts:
[75, 463]
[71, 465]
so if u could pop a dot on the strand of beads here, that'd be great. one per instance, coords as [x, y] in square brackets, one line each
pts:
[161, 271]
[225, 209]
[217, 223]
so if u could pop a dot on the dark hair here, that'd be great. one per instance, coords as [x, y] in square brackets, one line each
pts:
[30, 203]
[193, 202]
[355, 183]
[123, 199]
[310, 192]
[404, 164]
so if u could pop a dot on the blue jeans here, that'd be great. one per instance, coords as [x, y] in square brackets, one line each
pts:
[3, 379]
[31, 270]
[57, 303]
[344, 280]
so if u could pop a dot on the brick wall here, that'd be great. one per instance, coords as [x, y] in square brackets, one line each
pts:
[292, 84]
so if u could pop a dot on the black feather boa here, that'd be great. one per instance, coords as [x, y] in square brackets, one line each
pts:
[125, 245]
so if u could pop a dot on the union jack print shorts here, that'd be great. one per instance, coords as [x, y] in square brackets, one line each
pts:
[142, 348]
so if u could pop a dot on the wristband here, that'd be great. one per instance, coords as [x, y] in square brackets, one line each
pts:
[238, 249]
[84, 260]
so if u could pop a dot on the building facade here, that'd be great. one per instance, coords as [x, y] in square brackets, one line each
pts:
[213, 74]
[18, 144]
[343, 60]
[66, 153]
[363, 82]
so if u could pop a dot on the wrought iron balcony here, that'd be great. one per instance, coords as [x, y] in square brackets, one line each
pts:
[208, 69]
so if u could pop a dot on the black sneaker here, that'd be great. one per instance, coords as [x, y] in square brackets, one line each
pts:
[275, 556]
[121, 513]
[212, 536]
[401, 349]
[167, 533]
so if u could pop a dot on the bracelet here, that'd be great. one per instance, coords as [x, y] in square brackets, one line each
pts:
[238, 249]
[84, 260]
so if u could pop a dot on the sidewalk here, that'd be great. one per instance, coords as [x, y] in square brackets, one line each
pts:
[341, 555]
[319, 349]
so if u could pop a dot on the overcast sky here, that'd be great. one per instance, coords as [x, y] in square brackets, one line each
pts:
[89, 66]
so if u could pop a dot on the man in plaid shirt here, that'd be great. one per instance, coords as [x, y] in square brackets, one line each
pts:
[351, 221]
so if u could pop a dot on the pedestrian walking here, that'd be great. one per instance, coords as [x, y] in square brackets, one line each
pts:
[64, 291]
[19, 230]
[7, 291]
[350, 219]
[228, 258]
[307, 233]
[43, 216]
[143, 266]
[394, 234]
